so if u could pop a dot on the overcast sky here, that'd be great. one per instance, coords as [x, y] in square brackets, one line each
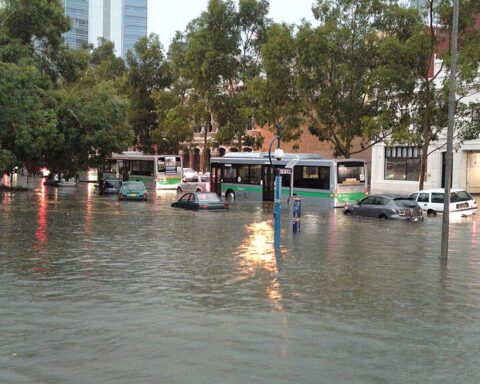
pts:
[167, 16]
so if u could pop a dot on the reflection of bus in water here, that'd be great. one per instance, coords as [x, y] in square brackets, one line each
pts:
[88, 176]
[319, 181]
[156, 171]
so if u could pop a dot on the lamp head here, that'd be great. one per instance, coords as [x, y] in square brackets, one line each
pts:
[278, 154]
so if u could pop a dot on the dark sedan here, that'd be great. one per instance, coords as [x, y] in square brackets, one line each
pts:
[386, 207]
[108, 187]
[200, 200]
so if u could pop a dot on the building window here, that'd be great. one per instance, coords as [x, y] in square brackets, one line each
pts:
[402, 163]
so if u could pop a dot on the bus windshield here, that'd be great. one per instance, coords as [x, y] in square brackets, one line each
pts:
[351, 173]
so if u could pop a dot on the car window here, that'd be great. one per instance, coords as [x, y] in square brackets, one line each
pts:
[208, 197]
[422, 197]
[205, 179]
[191, 198]
[370, 200]
[455, 197]
[413, 196]
[185, 197]
[380, 200]
[437, 197]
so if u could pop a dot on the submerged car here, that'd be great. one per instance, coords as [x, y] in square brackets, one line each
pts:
[196, 183]
[108, 187]
[431, 201]
[386, 207]
[200, 200]
[133, 190]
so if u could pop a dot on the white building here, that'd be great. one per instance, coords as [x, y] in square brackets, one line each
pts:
[395, 168]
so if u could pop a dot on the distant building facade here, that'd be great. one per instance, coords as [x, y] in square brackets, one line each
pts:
[120, 21]
[77, 10]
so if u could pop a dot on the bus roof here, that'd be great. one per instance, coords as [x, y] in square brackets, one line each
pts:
[264, 155]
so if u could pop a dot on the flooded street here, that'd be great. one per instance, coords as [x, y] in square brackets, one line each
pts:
[93, 290]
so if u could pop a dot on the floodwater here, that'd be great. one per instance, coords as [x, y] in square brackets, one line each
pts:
[93, 290]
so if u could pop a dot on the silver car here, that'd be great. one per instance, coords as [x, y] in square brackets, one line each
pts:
[386, 207]
[195, 183]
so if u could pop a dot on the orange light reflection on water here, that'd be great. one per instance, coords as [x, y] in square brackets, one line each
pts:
[41, 236]
[257, 253]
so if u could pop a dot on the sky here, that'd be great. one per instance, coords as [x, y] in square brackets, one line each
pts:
[167, 16]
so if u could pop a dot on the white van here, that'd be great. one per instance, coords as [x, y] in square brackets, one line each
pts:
[431, 201]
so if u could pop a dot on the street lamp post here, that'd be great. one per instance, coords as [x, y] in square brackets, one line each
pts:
[277, 208]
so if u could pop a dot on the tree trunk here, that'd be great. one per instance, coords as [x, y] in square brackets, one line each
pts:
[426, 140]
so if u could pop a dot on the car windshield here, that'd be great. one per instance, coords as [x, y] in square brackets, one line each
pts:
[405, 203]
[208, 197]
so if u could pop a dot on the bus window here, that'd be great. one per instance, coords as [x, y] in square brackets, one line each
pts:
[243, 173]
[255, 174]
[230, 173]
[351, 173]
[312, 177]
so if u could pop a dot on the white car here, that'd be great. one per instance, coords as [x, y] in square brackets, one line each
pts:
[431, 201]
[195, 183]
[188, 173]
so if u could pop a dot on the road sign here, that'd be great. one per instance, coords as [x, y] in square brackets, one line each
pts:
[284, 171]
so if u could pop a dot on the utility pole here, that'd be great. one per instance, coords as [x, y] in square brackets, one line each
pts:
[451, 123]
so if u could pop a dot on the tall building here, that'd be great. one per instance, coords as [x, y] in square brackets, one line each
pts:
[77, 10]
[121, 21]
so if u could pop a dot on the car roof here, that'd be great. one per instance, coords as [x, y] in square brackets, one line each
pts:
[439, 190]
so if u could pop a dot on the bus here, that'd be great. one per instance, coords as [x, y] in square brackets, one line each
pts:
[156, 171]
[318, 180]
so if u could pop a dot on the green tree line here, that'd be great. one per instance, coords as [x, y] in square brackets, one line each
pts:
[360, 73]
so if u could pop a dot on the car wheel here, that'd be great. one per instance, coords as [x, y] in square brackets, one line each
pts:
[383, 217]
[230, 195]
[179, 190]
[431, 213]
[347, 212]
[198, 190]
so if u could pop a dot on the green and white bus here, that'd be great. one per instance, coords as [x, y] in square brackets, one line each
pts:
[156, 171]
[319, 181]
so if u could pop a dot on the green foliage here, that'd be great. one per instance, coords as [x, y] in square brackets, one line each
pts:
[276, 92]
[27, 117]
[7, 161]
[148, 71]
[92, 124]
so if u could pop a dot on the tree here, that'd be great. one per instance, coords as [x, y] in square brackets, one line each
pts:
[27, 116]
[222, 55]
[354, 71]
[428, 108]
[275, 92]
[92, 123]
[147, 72]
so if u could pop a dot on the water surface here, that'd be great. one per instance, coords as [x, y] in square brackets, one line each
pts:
[93, 290]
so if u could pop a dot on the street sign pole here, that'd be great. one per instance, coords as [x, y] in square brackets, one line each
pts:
[277, 214]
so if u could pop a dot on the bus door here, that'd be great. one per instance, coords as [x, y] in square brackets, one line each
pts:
[216, 179]
[123, 169]
[268, 179]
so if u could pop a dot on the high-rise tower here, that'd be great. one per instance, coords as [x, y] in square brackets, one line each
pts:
[121, 21]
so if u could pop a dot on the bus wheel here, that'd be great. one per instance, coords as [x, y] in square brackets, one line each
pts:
[230, 195]
[179, 190]
[431, 213]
